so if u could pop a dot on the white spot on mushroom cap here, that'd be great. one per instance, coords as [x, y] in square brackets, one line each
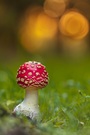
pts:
[38, 66]
[23, 71]
[19, 72]
[30, 73]
[45, 71]
[34, 62]
[22, 79]
[21, 84]
[30, 81]
[43, 75]
[30, 61]
[36, 83]
[32, 65]
[26, 82]
[18, 79]
[39, 63]
[42, 83]
[33, 77]
[39, 78]
[37, 73]
[46, 80]
[23, 66]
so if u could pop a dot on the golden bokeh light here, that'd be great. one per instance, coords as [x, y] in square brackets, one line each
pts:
[54, 8]
[37, 29]
[46, 27]
[74, 25]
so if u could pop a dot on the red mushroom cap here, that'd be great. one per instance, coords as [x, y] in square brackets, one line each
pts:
[32, 74]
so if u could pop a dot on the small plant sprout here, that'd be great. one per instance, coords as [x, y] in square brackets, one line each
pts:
[31, 76]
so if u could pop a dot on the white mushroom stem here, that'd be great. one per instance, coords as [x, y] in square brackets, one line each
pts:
[29, 107]
[31, 97]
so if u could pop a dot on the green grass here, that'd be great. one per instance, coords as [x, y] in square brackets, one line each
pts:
[64, 103]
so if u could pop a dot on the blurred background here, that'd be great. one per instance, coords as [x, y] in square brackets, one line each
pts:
[44, 28]
[57, 34]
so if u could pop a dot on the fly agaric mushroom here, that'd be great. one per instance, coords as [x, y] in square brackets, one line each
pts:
[31, 76]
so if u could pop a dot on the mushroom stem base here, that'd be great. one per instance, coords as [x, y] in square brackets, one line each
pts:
[32, 112]
[29, 107]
